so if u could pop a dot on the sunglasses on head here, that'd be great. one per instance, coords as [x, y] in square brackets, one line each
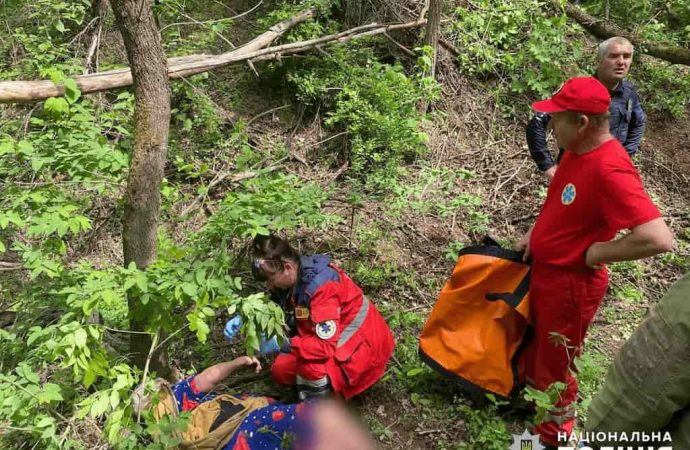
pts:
[263, 267]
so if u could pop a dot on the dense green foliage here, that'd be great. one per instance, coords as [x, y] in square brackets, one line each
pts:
[373, 104]
[528, 52]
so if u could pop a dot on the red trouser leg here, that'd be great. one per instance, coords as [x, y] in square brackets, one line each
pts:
[284, 369]
[287, 367]
[562, 305]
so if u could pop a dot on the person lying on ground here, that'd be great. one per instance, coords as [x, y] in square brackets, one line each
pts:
[249, 422]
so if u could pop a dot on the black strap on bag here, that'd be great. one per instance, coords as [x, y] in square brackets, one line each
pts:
[513, 299]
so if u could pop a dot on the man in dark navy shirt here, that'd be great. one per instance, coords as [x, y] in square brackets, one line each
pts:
[626, 120]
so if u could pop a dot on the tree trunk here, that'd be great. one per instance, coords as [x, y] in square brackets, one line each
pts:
[433, 32]
[151, 123]
[604, 30]
[431, 38]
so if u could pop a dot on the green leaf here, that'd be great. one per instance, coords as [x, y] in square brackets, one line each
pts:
[189, 289]
[414, 372]
[34, 333]
[60, 26]
[141, 281]
[61, 228]
[100, 406]
[36, 164]
[72, 92]
[89, 377]
[114, 399]
[114, 426]
[252, 343]
[50, 392]
[45, 421]
[56, 106]
[200, 276]
[6, 147]
[129, 282]
[80, 337]
[197, 324]
[49, 433]
[25, 371]
[2, 247]
[25, 148]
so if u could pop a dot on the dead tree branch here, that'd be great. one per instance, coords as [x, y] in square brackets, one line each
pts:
[255, 50]
[30, 91]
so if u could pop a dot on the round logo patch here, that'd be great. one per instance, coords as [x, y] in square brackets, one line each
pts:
[569, 193]
[326, 330]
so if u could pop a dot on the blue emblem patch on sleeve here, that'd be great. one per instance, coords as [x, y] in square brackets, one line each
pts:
[326, 330]
[569, 193]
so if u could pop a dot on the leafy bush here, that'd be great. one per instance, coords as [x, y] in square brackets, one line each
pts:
[375, 104]
[654, 20]
[185, 287]
[517, 44]
[529, 52]
[664, 87]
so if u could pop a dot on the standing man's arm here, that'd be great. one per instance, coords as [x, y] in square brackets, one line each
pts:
[638, 119]
[536, 142]
[644, 240]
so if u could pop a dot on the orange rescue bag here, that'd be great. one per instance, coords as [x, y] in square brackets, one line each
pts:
[478, 323]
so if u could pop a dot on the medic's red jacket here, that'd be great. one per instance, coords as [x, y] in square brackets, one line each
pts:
[336, 323]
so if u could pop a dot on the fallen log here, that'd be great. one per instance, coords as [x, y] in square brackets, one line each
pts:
[255, 50]
[31, 91]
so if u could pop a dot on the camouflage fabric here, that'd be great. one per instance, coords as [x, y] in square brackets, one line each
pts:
[648, 386]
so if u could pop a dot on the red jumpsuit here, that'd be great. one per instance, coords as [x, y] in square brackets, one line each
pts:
[341, 336]
[591, 198]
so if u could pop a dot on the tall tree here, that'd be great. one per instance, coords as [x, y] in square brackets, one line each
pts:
[151, 125]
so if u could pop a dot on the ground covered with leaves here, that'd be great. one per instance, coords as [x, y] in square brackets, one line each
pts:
[329, 149]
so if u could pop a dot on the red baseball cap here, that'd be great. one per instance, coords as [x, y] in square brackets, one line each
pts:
[579, 94]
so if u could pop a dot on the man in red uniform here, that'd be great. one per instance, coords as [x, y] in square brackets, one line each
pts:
[342, 343]
[595, 193]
